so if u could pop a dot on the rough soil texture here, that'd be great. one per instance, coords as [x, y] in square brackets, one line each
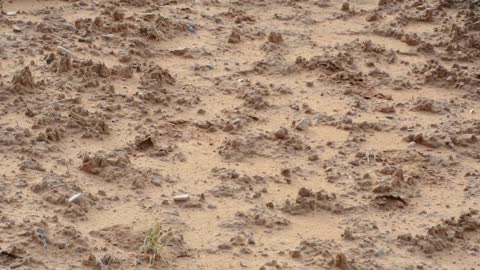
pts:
[259, 134]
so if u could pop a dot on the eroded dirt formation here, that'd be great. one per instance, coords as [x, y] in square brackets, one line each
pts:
[240, 134]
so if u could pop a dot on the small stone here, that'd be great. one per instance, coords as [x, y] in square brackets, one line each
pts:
[275, 37]
[234, 36]
[85, 40]
[212, 129]
[29, 113]
[181, 198]
[138, 184]
[281, 133]
[224, 246]
[380, 252]
[180, 51]
[144, 143]
[302, 124]
[411, 144]
[108, 36]
[295, 253]
[156, 181]
[11, 13]
[348, 235]
[75, 198]
[190, 28]
[345, 6]
[16, 29]
[124, 58]
[371, 17]
[228, 127]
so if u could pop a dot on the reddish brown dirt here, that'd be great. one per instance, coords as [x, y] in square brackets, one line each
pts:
[308, 134]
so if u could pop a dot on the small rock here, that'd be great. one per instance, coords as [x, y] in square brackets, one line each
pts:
[380, 252]
[302, 124]
[181, 198]
[11, 13]
[180, 51]
[156, 181]
[108, 36]
[348, 235]
[371, 17]
[29, 113]
[234, 36]
[85, 40]
[138, 184]
[16, 29]
[224, 246]
[281, 133]
[228, 127]
[345, 6]
[411, 144]
[190, 28]
[144, 143]
[295, 253]
[75, 198]
[275, 37]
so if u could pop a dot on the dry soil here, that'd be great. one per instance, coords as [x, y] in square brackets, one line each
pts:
[253, 134]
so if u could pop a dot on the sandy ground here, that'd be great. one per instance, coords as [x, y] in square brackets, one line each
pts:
[240, 134]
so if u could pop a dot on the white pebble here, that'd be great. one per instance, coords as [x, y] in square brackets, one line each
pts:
[181, 198]
[75, 198]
